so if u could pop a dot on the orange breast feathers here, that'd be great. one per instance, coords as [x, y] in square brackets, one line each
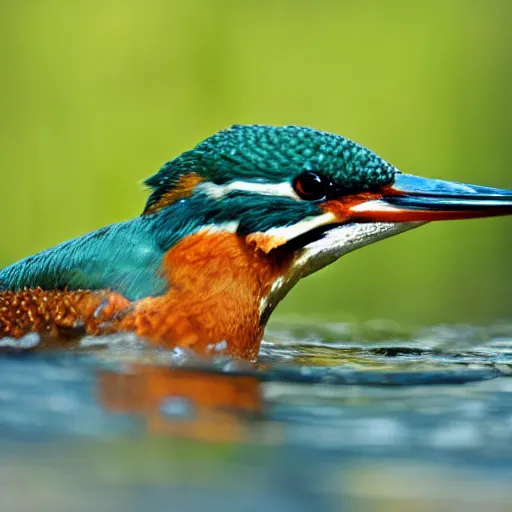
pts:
[57, 314]
[217, 282]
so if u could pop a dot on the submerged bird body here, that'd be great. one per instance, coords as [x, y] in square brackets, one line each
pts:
[228, 229]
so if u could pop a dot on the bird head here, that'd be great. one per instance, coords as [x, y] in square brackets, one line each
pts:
[313, 195]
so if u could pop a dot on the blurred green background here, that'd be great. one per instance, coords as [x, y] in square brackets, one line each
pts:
[95, 96]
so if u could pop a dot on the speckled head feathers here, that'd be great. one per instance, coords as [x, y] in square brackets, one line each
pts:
[275, 154]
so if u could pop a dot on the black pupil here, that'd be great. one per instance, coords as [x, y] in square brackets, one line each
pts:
[311, 186]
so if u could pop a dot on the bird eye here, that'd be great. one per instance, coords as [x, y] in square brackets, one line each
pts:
[311, 186]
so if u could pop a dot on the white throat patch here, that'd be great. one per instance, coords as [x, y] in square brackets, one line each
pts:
[334, 243]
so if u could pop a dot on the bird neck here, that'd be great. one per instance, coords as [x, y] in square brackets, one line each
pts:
[218, 284]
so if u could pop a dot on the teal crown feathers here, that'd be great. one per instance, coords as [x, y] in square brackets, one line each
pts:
[275, 154]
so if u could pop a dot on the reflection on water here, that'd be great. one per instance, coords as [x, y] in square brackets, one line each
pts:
[183, 403]
[329, 419]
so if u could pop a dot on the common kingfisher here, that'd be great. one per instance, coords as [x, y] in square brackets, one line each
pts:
[229, 228]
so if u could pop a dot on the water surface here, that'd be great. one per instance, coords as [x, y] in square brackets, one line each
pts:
[333, 417]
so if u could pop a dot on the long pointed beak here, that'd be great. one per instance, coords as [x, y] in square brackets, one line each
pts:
[414, 199]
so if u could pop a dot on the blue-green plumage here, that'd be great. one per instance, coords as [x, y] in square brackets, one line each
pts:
[123, 257]
[127, 257]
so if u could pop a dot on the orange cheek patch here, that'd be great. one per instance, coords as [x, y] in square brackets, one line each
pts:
[264, 242]
[341, 207]
[183, 188]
